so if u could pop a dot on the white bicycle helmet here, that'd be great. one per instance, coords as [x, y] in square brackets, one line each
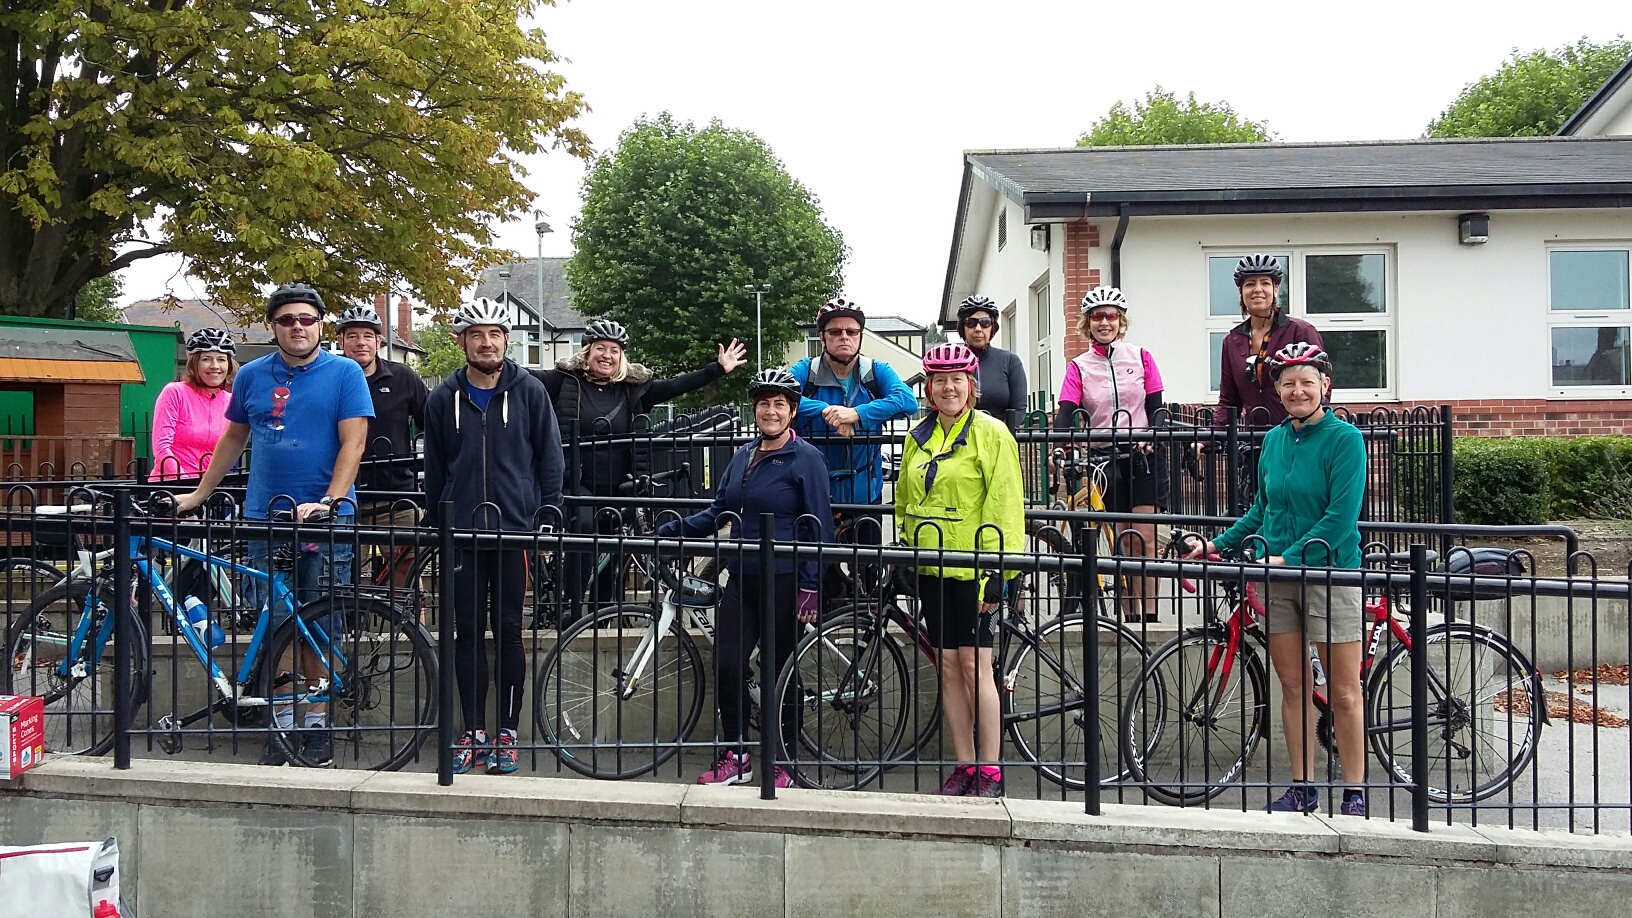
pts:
[211, 340]
[481, 311]
[1104, 296]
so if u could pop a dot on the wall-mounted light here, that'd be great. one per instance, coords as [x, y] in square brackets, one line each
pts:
[1039, 237]
[1473, 229]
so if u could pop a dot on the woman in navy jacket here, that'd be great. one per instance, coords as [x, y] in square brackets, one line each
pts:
[782, 475]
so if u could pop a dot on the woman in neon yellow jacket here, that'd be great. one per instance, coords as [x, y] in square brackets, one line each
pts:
[960, 491]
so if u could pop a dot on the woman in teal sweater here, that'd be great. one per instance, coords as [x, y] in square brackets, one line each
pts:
[1311, 481]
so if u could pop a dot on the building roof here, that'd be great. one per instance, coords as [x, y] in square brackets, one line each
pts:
[523, 290]
[1619, 80]
[893, 325]
[192, 315]
[67, 355]
[1462, 174]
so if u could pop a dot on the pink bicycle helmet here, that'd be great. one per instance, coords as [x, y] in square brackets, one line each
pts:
[950, 358]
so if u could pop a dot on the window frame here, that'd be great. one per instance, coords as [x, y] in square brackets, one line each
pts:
[1297, 299]
[1044, 346]
[1585, 318]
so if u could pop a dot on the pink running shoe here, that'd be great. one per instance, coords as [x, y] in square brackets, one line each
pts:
[783, 779]
[730, 769]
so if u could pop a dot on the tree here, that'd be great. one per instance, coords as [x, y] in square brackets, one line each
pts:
[442, 353]
[94, 302]
[1160, 118]
[1532, 94]
[675, 221]
[343, 144]
[934, 334]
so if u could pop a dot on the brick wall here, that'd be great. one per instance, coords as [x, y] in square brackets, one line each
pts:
[1520, 417]
[1079, 279]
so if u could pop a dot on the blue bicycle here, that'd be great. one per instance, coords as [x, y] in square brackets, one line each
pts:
[367, 666]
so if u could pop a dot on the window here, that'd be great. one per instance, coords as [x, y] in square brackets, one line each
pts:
[1002, 228]
[1042, 325]
[1590, 313]
[1346, 294]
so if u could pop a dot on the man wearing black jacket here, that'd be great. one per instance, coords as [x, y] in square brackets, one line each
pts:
[493, 449]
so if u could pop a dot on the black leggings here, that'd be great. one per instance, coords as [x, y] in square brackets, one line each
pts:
[736, 634]
[489, 586]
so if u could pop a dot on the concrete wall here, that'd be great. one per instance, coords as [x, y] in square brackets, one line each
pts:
[211, 840]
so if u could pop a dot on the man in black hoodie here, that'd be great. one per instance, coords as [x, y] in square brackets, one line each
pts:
[493, 449]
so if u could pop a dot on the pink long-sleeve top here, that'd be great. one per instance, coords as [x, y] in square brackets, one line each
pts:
[187, 421]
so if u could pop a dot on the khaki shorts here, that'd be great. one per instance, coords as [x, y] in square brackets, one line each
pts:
[1311, 606]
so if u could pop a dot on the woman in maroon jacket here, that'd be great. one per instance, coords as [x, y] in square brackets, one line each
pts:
[1244, 381]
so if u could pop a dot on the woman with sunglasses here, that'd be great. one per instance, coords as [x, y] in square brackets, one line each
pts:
[1002, 375]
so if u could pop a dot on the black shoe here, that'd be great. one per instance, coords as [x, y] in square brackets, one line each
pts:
[316, 748]
[272, 755]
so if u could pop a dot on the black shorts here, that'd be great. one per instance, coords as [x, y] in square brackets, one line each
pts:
[1137, 481]
[951, 610]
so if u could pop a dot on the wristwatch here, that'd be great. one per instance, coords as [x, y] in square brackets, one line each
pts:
[326, 500]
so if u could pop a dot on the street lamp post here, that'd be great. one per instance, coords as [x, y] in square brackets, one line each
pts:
[759, 291]
[538, 304]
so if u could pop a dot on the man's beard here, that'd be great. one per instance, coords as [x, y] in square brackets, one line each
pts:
[485, 364]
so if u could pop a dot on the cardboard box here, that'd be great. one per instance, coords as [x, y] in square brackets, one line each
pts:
[22, 734]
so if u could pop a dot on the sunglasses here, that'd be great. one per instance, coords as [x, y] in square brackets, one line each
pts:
[1105, 315]
[978, 322]
[843, 332]
[304, 320]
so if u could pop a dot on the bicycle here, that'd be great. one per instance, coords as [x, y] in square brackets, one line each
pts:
[60, 649]
[868, 694]
[1201, 703]
[1086, 483]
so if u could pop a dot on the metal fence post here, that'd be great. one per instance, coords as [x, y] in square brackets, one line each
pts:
[1232, 494]
[1090, 658]
[1447, 476]
[445, 731]
[770, 713]
[1419, 687]
[124, 634]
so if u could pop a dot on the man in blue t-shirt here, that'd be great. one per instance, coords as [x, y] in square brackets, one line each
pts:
[307, 412]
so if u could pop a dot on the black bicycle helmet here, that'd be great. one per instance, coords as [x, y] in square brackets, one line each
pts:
[358, 315]
[606, 330]
[837, 307]
[211, 341]
[294, 293]
[1258, 265]
[976, 303]
[774, 381]
[1300, 354]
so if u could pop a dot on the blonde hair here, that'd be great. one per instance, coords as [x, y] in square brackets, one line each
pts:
[623, 360]
[1085, 328]
[191, 375]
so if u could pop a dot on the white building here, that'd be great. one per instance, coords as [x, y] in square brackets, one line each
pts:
[544, 327]
[1490, 275]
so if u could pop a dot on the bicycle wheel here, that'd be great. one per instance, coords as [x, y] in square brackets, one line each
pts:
[1195, 717]
[23, 580]
[615, 700]
[377, 690]
[1485, 705]
[79, 704]
[1045, 702]
[849, 683]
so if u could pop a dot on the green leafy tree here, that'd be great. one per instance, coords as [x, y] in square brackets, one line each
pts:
[1532, 94]
[1161, 118]
[442, 353]
[934, 335]
[94, 302]
[675, 221]
[344, 144]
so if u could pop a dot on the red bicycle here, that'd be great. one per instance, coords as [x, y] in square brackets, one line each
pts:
[1200, 706]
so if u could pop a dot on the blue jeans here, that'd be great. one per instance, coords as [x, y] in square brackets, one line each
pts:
[318, 565]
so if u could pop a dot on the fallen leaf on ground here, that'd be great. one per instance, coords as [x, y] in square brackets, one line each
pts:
[1608, 674]
[1561, 707]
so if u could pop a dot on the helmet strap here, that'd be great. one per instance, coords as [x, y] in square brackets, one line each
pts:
[293, 359]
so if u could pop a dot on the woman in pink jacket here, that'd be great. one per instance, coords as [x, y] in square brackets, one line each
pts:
[191, 415]
[1114, 388]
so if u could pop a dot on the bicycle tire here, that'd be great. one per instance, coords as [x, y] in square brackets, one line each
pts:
[849, 681]
[386, 707]
[1043, 701]
[924, 675]
[1506, 681]
[1178, 712]
[579, 709]
[77, 721]
[22, 581]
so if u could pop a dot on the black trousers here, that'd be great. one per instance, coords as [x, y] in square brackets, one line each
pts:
[489, 588]
[737, 626]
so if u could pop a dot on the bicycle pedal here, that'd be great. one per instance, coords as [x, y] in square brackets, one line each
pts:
[171, 739]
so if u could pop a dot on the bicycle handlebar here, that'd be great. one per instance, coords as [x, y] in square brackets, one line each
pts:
[635, 484]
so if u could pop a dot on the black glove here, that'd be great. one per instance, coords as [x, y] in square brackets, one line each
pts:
[994, 587]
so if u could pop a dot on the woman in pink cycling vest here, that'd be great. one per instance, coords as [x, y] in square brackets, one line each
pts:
[191, 415]
[1114, 388]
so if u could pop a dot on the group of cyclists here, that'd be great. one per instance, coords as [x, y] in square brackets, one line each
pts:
[493, 450]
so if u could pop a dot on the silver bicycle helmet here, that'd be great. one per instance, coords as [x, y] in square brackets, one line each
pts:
[774, 381]
[481, 311]
[1104, 296]
[211, 341]
[606, 330]
[359, 315]
[1258, 265]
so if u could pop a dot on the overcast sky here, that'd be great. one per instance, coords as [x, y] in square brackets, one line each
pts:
[871, 104]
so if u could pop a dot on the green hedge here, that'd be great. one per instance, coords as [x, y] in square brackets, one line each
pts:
[1536, 479]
